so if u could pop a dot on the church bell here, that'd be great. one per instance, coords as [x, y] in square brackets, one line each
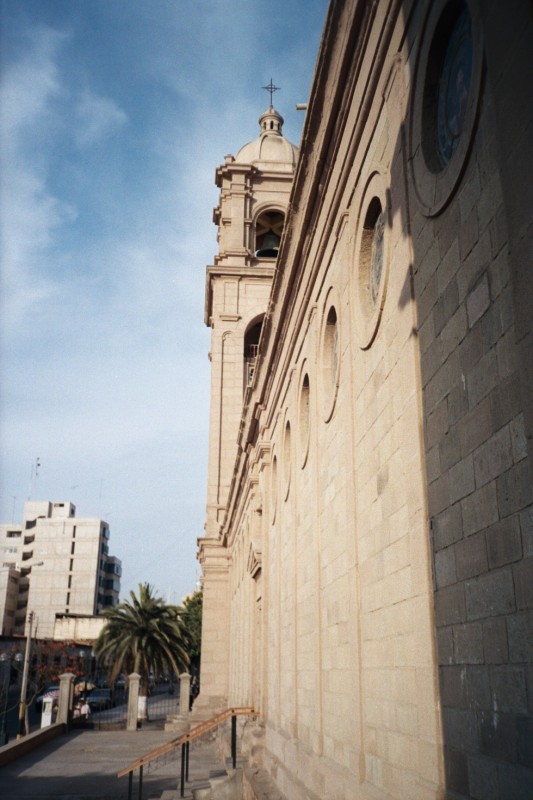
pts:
[269, 246]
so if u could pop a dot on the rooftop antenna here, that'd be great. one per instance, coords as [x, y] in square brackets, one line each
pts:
[34, 475]
[271, 88]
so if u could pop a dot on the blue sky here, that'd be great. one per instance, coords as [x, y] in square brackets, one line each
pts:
[114, 116]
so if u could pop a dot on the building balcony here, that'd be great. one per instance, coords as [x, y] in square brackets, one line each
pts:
[249, 369]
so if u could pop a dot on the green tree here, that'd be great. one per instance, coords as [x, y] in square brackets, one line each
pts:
[192, 616]
[141, 636]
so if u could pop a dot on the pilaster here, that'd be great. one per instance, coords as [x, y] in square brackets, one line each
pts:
[214, 559]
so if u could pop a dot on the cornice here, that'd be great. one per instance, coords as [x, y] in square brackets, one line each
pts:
[212, 554]
[344, 44]
[231, 168]
[344, 47]
[217, 271]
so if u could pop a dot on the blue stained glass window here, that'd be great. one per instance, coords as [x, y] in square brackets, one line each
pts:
[454, 86]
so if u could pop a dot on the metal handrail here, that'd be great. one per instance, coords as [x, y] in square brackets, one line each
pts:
[184, 741]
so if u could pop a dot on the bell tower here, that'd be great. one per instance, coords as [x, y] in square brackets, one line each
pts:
[254, 194]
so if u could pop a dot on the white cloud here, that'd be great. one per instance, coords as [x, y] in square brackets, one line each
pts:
[35, 105]
[30, 213]
[98, 117]
[30, 216]
[29, 84]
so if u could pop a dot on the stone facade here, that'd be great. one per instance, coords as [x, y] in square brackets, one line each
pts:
[367, 558]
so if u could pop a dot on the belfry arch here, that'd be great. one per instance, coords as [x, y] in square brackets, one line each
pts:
[268, 230]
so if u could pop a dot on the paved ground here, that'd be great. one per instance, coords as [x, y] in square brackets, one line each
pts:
[83, 766]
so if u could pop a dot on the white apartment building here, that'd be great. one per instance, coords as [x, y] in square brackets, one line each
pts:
[54, 563]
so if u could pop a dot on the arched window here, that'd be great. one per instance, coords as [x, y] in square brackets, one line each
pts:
[268, 230]
[304, 413]
[251, 345]
[330, 359]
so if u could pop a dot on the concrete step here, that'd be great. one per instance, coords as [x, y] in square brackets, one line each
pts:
[240, 762]
[218, 786]
[204, 766]
[202, 793]
[176, 724]
[227, 786]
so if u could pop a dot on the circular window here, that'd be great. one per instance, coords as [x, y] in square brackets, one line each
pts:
[371, 255]
[287, 458]
[274, 487]
[330, 361]
[304, 419]
[445, 100]
[453, 86]
[371, 259]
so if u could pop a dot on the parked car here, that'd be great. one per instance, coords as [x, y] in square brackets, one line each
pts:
[120, 682]
[51, 691]
[100, 699]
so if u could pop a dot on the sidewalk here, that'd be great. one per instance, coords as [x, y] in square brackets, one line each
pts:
[83, 766]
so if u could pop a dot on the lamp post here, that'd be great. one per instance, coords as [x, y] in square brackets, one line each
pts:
[4, 659]
[24, 687]
[18, 658]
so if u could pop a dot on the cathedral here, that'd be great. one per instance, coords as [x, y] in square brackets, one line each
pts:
[369, 534]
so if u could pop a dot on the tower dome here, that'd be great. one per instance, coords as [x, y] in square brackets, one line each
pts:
[271, 149]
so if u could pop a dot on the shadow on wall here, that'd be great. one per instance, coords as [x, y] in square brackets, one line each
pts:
[458, 180]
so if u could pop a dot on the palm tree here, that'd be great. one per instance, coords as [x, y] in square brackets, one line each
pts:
[192, 617]
[141, 636]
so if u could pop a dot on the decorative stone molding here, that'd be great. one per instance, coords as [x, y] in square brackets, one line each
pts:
[255, 558]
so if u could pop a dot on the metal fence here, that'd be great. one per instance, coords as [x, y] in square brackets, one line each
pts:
[163, 701]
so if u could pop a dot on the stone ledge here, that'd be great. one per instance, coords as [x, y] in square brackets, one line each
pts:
[260, 784]
[10, 752]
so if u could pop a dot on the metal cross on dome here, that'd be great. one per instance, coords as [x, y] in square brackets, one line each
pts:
[271, 88]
